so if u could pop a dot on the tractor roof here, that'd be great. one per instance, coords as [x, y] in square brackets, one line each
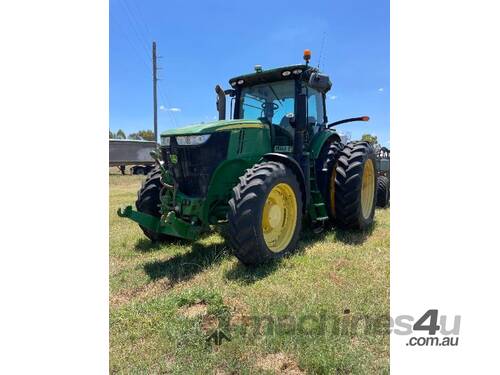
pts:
[267, 75]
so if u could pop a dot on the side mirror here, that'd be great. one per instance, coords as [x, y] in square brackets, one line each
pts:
[320, 82]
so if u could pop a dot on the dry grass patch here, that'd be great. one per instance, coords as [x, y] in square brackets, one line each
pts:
[140, 293]
[209, 323]
[240, 312]
[279, 363]
[192, 311]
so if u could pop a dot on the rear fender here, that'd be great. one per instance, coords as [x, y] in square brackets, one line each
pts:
[320, 140]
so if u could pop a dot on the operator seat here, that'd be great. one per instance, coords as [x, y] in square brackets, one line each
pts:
[285, 125]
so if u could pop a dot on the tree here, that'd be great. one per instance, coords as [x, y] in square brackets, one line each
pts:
[111, 135]
[120, 134]
[370, 139]
[147, 135]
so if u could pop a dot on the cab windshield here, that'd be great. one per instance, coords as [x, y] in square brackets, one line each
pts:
[271, 101]
[274, 100]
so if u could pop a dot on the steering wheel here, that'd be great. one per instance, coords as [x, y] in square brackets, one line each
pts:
[266, 104]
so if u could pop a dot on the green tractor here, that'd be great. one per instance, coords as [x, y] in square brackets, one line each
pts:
[275, 165]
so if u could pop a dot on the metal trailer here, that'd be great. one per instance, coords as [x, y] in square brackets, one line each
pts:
[123, 152]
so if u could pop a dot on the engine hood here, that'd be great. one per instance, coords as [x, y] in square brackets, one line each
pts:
[211, 127]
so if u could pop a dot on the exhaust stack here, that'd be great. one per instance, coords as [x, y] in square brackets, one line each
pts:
[221, 102]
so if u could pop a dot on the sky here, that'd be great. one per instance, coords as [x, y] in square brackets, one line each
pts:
[204, 43]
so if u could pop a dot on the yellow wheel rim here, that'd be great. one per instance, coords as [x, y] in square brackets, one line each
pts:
[332, 190]
[367, 189]
[279, 218]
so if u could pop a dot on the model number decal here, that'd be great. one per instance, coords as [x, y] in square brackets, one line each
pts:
[283, 148]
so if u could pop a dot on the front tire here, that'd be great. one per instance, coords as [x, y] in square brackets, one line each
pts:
[355, 186]
[265, 213]
[148, 202]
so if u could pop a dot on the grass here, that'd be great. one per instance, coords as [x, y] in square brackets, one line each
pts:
[295, 316]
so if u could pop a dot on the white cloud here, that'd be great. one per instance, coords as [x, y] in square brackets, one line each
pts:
[381, 89]
[173, 109]
[333, 97]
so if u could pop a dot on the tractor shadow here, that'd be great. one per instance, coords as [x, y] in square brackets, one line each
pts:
[145, 245]
[353, 237]
[182, 267]
[250, 274]
[345, 236]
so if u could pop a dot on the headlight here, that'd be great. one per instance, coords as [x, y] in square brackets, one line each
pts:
[188, 140]
[165, 141]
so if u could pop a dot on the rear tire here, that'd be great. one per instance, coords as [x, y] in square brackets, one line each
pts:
[355, 186]
[148, 202]
[383, 192]
[326, 179]
[265, 213]
[326, 162]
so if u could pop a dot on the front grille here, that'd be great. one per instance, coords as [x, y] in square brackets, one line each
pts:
[195, 164]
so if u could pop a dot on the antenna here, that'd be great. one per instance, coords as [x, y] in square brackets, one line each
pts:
[321, 50]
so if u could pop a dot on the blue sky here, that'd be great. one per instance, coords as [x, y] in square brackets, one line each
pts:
[204, 43]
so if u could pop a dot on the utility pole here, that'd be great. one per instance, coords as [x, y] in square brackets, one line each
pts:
[155, 100]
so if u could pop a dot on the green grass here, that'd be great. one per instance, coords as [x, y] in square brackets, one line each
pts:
[165, 300]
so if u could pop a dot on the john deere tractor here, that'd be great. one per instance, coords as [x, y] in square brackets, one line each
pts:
[277, 164]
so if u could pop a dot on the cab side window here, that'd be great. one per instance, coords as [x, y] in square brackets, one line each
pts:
[315, 112]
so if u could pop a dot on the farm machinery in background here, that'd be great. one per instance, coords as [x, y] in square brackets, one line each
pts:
[383, 162]
[123, 152]
[277, 164]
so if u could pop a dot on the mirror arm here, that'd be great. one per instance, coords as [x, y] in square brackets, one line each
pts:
[352, 119]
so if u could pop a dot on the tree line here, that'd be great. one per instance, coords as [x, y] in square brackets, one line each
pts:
[141, 135]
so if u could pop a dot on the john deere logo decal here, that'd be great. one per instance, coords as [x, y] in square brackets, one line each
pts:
[173, 159]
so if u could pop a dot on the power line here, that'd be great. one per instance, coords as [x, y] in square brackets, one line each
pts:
[133, 23]
[149, 34]
[137, 23]
[139, 54]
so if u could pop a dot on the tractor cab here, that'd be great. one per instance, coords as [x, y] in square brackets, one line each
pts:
[272, 97]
